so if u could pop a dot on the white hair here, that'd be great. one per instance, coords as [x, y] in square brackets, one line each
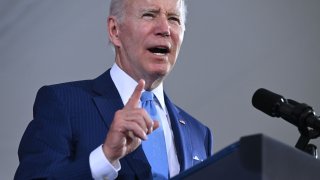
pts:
[117, 8]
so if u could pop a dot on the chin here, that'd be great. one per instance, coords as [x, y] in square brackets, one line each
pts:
[164, 70]
[156, 74]
[160, 70]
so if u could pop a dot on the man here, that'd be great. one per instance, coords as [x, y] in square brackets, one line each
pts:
[96, 128]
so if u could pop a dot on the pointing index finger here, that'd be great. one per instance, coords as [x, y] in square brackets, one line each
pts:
[135, 97]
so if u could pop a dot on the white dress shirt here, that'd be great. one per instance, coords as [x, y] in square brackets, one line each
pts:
[101, 168]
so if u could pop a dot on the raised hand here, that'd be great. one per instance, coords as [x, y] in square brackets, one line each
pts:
[130, 125]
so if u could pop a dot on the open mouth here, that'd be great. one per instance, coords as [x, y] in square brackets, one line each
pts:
[160, 50]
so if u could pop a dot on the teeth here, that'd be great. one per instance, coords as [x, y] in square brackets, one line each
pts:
[159, 54]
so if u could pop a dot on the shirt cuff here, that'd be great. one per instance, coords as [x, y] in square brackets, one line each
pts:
[100, 166]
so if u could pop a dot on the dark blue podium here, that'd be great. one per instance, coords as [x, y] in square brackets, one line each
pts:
[256, 157]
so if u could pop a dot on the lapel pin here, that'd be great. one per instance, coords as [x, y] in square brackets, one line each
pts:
[182, 122]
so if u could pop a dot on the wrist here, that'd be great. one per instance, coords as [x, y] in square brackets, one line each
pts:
[107, 152]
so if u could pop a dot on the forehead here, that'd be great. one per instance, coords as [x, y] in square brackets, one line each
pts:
[169, 6]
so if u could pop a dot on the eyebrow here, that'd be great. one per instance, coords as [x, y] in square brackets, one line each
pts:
[157, 10]
[153, 10]
[174, 14]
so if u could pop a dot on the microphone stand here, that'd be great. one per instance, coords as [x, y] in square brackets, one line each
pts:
[302, 112]
[303, 144]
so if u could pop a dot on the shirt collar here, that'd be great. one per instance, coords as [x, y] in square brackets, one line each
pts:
[126, 85]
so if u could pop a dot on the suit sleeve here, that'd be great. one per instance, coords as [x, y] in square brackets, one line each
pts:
[46, 149]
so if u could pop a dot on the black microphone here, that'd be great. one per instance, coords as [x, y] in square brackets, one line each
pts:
[275, 105]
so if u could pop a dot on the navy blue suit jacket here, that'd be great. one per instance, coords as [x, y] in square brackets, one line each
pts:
[72, 119]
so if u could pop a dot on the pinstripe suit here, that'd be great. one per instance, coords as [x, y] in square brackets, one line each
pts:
[72, 119]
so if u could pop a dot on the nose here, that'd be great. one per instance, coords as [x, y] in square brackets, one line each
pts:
[163, 27]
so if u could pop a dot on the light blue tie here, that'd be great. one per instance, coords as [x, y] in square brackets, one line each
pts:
[155, 146]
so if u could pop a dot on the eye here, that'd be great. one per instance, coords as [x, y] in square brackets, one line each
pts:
[148, 15]
[175, 19]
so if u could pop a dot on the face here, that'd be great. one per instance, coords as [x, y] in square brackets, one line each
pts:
[148, 39]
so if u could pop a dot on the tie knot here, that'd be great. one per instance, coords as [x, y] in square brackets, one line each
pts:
[146, 96]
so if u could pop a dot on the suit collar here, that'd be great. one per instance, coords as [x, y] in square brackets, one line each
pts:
[108, 99]
[103, 85]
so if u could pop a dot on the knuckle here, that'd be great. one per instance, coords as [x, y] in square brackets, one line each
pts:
[118, 114]
[142, 111]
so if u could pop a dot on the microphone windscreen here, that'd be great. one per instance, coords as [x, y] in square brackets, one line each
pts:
[267, 101]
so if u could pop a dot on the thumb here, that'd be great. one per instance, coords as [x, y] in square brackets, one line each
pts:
[156, 124]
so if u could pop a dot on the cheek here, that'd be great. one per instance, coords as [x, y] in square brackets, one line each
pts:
[178, 37]
[181, 36]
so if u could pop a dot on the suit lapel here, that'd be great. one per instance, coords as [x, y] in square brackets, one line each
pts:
[108, 102]
[180, 128]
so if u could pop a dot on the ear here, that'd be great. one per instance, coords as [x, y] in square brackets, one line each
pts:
[113, 30]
